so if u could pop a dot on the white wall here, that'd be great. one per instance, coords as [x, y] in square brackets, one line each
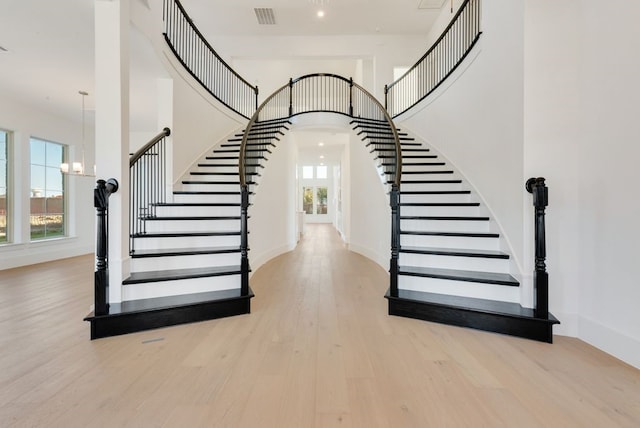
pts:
[581, 133]
[199, 121]
[25, 122]
[369, 211]
[272, 227]
[378, 53]
[476, 118]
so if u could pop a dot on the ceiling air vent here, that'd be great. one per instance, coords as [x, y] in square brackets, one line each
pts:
[265, 15]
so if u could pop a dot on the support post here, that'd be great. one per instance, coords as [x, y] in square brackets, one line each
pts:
[540, 192]
[351, 96]
[386, 93]
[394, 196]
[244, 242]
[101, 278]
[290, 97]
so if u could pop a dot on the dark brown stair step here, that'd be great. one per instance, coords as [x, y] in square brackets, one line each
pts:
[460, 275]
[455, 252]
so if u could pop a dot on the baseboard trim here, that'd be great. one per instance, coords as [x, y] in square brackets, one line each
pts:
[613, 342]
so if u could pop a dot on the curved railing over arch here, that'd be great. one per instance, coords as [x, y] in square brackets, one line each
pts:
[444, 56]
[323, 93]
[311, 94]
[203, 62]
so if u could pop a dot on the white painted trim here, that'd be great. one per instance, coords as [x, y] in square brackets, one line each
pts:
[611, 341]
[259, 260]
[370, 254]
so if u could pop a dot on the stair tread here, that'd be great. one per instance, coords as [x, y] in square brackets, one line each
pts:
[430, 181]
[439, 204]
[460, 252]
[184, 251]
[445, 218]
[471, 304]
[460, 275]
[426, 172]
[196, 192]
[198, 204]
[176, 274]
[184, 234]
[454, 234]
[435, 192]
[178, 218]
[213, 182]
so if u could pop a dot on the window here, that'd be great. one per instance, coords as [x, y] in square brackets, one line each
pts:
[321, 201]
[47, 190]
[307, 200]
[4, 203]
[307, 172]
[321, 172]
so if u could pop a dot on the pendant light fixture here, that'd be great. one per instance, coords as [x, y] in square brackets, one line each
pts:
[78, 168]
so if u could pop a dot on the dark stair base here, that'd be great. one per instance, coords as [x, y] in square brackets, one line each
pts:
[148, 314]
[498, 317]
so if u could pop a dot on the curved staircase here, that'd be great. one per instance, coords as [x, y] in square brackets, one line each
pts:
[185, 259]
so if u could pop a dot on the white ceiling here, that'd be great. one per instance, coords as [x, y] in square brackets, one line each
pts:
[50, 43]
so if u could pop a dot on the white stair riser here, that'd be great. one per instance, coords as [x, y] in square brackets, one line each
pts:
[189, 211]
[446, 211]
[183, 286]
[175, 226]
[479, 264]
[212, 187]
[407, 168]
[147, 264]
[431, 186]
[456, 197]
[186, 242]
[232, 169]
[444, 225]
[449, 242]
[213, 178]
[460, 288]
[186, 199]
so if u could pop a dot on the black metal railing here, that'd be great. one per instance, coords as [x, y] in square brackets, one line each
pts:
[540, 192]
[318, 93]
[101, 194]
[147, 178]
[204, 64]
[438, 62]
[310, 94]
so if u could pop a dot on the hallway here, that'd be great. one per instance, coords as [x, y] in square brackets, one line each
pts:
[318, 349]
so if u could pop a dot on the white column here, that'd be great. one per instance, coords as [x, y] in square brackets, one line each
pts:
[112, 128]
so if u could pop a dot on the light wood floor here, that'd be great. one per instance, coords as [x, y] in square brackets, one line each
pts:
[317, 350]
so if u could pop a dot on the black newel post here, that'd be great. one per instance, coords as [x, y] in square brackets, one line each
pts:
[290, 97]
[101, 278]
[540, 192]
[386, 93]
[244, 241]
[256, 91]
[351, 96]
[394, 196]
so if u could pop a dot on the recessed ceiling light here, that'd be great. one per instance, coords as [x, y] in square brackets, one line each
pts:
[321, 156]
[321, 163]
[321, 144]
[320, 14]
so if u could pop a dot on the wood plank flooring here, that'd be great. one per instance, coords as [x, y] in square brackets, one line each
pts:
[318, 350]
